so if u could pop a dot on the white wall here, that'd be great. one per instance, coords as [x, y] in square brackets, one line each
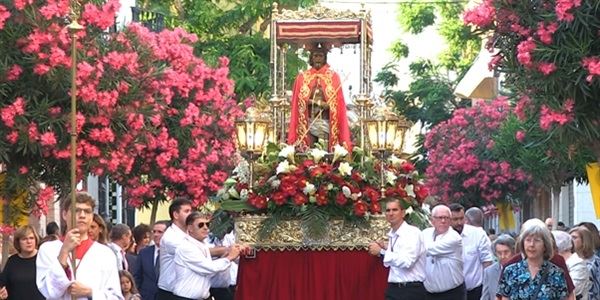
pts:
[584, 208]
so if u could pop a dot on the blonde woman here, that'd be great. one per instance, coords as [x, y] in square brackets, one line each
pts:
[583, 240]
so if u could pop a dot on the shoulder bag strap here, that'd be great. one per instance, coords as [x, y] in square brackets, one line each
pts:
[539, 287]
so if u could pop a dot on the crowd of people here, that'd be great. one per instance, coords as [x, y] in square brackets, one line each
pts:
[455, 259]
[174, 259]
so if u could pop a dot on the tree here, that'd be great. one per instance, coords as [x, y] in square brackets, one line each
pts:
[151, 115]
[237, 30]
[548, 51]
[463, 167]
[430, 99]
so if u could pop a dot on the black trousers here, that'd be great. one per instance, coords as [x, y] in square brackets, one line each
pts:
[221, 293]
[475, 294]
[413, 291]
[164, 295]
[457, 293]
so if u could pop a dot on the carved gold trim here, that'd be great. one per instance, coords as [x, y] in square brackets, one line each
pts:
[319, 12]
[289, 235]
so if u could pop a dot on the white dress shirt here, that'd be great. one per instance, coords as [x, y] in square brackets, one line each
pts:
[169, 242]
[405, 255]
[477, 249]
[194, 268]
[443, 264]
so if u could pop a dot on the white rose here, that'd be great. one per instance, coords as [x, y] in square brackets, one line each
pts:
[345, 169]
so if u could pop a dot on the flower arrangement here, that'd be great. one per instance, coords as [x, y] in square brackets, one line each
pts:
[316, 186]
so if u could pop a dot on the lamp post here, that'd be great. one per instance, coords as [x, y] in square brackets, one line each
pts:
[362, 102]
[386, 131]
[252, 133]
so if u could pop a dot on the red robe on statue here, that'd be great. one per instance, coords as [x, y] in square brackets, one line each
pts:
[330, 83]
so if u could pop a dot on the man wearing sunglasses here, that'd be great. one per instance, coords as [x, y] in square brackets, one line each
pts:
[194, 265]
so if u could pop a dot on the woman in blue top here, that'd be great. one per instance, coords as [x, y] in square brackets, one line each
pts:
[534, 277]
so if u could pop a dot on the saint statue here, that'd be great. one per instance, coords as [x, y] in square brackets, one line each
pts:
[318, 109]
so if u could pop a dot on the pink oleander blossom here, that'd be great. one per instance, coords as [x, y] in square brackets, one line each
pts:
[44, 197]
[564, 9]
[14, 73]
[592, 65]
[482, 15]
[548, 117]
[48, 139]
[545, 32]
[520, 136]
[524, 52]
[546, 68]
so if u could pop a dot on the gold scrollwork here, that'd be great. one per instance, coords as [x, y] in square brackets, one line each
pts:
[319, 12]
[289, 234]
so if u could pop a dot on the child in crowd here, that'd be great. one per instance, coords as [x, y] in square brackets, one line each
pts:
[128, 288]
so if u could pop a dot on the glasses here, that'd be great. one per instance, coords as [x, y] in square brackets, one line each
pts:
[86, 211]
[202, 224]
[442, 218]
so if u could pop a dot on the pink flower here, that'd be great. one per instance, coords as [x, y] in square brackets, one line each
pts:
[563, 8]
[524, 50]
[23, 170]
[9, 113]
[545, 32]
[4, 15]
[482, 15]
[48, 139]
[520, 136]
[592, 64]
[14, 72]
[546, 68]
[548, 116]
[12, 137]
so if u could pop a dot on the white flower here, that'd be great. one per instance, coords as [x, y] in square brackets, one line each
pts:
[410, 190]
[390, 177]
[338, 152]
[288, 152]
[345, 169]
[285, 167]
[309, 189]
[330, 187]
[409, 210]
[317, 154]
[346, 191]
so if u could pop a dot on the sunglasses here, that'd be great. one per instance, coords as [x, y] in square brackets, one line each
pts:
[202, 224]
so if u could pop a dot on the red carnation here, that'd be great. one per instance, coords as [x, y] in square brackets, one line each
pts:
[300, 199]
[360, 208]
[279, 198]
[340, 199]
[375, 207]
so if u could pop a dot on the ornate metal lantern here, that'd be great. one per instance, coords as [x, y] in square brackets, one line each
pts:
[252, 134]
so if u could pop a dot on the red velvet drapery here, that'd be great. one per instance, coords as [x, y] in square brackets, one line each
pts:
[314, 275]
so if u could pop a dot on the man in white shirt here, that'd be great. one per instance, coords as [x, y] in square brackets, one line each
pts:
[120, 239]
[404, 255]
[477, 251]
[179, 210]
[444, 279]
[95, 266]
[194, 265]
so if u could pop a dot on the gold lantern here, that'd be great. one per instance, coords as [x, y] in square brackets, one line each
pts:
[386, 131]
[252, 135]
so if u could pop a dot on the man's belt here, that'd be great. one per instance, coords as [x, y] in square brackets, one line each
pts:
[406, 284]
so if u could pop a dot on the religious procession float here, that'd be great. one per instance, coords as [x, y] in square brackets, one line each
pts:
[307, 195]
